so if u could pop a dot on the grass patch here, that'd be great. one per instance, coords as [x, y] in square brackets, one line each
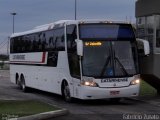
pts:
[146, 89]
[23, 108]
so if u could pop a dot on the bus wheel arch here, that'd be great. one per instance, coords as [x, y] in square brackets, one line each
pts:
[66, 94]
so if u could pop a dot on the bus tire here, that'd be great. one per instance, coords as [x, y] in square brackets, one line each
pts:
[17, 80]
[66, 92]
[23, 84]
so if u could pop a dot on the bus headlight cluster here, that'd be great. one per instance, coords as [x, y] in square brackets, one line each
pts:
[136, 81]
[89, 83]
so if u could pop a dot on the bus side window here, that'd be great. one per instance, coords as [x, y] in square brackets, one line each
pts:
[52, 58]
[73, 58]
[50, 43]
[158, 38]
[11, 44]
[59, 39]
[36, 37]
[44, 41]
[39, 42]
[49, 39]
[71, 36]
[18, 44]
[27, 43]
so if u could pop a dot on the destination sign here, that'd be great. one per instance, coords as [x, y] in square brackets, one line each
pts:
[93, 43]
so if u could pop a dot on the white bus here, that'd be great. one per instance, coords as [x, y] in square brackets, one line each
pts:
[81, 59]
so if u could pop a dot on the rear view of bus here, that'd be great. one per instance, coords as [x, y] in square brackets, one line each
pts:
[109, 61]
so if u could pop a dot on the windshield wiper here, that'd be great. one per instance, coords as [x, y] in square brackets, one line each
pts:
[121, 66]
[106, 64]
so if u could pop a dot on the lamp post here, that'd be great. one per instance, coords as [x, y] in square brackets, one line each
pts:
[13, 14]
[75, 9]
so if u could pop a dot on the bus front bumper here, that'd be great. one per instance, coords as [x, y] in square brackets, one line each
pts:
[86, 92]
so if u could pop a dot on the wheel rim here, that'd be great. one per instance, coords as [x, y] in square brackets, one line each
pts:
[23, 84]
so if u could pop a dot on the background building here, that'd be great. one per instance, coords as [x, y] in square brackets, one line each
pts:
[148, 27]
[148, 22]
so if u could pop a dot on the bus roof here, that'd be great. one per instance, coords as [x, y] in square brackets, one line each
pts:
[62, 23]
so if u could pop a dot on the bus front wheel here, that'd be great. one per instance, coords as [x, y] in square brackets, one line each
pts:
[66, 92]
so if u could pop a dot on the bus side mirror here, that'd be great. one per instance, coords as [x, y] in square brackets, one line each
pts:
[143, 47]
[79, 47]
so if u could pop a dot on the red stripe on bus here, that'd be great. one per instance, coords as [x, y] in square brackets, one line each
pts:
[43, 57]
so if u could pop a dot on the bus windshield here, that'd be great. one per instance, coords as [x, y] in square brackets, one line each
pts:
[105, 56]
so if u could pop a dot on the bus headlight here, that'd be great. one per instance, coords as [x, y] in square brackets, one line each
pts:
[136, 81]
[89, 83]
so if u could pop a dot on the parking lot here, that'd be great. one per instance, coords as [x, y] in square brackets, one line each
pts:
[90, 110]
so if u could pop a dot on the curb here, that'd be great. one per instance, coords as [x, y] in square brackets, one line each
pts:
[45, 115]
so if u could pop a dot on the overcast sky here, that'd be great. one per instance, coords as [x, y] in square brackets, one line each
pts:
[31, 13]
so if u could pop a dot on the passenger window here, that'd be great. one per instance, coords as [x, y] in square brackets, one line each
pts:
[71, 36]
[58, 38]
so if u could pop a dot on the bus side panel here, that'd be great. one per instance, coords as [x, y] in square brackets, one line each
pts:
[29, 73]
[64, 72]
[12, 74]
[50, 78]
[38, 77]
[44, 78]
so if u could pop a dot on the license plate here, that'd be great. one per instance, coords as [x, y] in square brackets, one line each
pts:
[114, 92]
